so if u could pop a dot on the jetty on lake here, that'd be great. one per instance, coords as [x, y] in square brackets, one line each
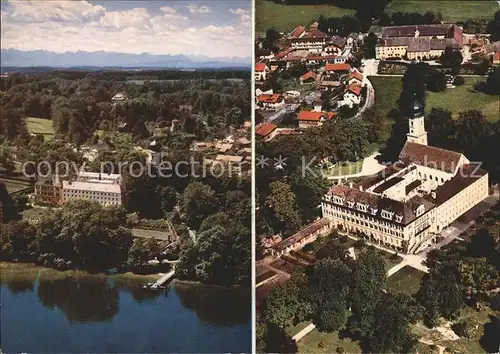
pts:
[160, 283]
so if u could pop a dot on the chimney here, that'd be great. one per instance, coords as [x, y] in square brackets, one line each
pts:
[360, 188]
[350, 184]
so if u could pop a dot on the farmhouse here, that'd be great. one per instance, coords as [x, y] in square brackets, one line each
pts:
[309, 119]
[266, 131]
[272, 101]
[261, 71]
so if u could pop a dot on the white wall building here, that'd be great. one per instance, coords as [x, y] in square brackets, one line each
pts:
[407, 205]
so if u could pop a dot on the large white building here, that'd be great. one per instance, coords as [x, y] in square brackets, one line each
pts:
[406, 205]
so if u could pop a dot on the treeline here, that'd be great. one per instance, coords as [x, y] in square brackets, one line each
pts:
[80, 107]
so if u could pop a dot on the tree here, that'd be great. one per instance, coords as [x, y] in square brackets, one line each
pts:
[391, 329]
[282, 204]
[368, 280]
[436, 81]
[284, 305]
[477, 276]
[198, 201]
[490, 341]
[168, 197]
[139, 254]
[441, 128]
[369, 45]
[453, 59]
[493, 82]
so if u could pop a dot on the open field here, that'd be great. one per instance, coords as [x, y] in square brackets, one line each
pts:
[317, 342]
[39, 126]
[388, 89]
[345, 168]
[452, 11]
[285, 18]
[405, 280]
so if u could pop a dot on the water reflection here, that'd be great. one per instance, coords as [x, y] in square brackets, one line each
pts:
[96, 298]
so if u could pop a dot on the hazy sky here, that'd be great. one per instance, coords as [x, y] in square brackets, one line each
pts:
[218, 28]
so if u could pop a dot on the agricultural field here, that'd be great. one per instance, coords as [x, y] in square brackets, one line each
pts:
[388, 89]
[453, 10]
[269, 14]
[40, 126]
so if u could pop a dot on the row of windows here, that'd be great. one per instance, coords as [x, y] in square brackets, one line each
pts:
[362, 216]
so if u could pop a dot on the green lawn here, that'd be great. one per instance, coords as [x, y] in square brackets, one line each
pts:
[464, 97]
[406, 280]
[452, 11]
[39, 126]
[388, 89]
[13, 185]
[285, 18]
[347, 168]
[316, 342]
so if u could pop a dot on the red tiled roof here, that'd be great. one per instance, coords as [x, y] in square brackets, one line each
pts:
[355, 88]
[430, 156]
[315, 33]
[321, 57]
[264, 129]
[269, 98]
[314, 116]
[497, 56]
[298, 31]
[306, 231]
[337, 67]
[307, 75]
[356, 75]
[260, 67]
[282, 54]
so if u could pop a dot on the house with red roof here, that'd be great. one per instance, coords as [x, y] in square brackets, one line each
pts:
[261, 71]
[337, 68]
[352, 95]
[309, 119]
[314, 41]
[270, 101]
[266, 131]
[355, 77]
[298, 32]
[308, 77]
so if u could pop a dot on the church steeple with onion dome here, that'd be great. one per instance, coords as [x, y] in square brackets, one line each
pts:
[416, 131]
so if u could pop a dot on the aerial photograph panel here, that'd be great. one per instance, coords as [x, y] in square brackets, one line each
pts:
[377, 131]
[125, 177]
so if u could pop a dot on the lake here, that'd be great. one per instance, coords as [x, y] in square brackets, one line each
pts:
[44, 310]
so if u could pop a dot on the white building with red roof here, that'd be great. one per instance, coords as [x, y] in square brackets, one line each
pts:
[273, 101]
[308, 119]
[261, 71]
[266, 131]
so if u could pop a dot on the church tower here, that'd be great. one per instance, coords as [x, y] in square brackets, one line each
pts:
[416, 131]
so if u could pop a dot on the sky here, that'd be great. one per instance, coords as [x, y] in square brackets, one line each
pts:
[210, 28]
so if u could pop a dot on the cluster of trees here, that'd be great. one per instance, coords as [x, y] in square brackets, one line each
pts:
[462, 277]
[290, 195]
[83, 234]
[219, 252]
[410, 18]
[339, 294]
[80, 105]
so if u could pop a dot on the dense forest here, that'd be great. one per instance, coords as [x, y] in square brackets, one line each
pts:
[199, 105]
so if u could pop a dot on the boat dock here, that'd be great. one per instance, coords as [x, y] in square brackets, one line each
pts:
[165, 278]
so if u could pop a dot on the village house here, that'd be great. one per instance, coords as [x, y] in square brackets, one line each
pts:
[313, 41]
[496, 58]
[308, 77]
[352, 95]
[266, 131]
[337, 68]
[355, 77]
[273, 102]
[336, 46]
[261, 71]
[308, 119]
[120, 96]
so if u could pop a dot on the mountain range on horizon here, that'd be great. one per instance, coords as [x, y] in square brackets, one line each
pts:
[43, 58]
